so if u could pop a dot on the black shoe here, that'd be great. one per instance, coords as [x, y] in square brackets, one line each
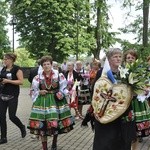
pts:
[140, 139]
[23, 131]
[3, 140]
[54, 148]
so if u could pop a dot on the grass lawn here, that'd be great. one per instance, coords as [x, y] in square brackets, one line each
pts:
[26, 83]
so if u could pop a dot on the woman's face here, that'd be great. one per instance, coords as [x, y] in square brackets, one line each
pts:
[78, 66]
[130, 58]
[70, 67]
[115, 60]
[95, 66]
[47, 66]
[7, 61]
[55, 66]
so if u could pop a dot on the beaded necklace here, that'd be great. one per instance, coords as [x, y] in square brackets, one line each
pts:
[47, 80]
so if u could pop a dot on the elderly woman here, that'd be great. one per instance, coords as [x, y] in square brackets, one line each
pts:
[71, 76]
[84, 87]
[50, 114]
[119, 133]
[11, 78]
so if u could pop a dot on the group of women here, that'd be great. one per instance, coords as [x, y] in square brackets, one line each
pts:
[50, 113]
[76, 72]
[134, 123]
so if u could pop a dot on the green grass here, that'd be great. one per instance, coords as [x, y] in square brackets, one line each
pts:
[26, 83]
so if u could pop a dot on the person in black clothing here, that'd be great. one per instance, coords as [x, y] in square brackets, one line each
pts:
[34, 72]
[84, 96]
[12, 78]
[118, 134]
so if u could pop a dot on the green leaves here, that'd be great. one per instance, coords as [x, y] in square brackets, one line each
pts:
[49, 26]
[4, 40]
[60, 28]
[137, 26]
[23, 58]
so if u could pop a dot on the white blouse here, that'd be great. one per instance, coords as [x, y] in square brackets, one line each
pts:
[35, 84]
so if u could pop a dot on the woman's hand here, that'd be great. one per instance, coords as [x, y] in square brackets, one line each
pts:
[4, 81]
[43, 92]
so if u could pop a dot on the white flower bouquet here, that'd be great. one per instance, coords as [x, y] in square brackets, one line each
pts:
[137, 76]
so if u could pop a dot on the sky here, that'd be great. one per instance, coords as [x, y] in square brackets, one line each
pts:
[117, 19]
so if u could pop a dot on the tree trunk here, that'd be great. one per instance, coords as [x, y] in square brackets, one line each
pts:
[145, 22]
[98, 30]
[88, 18]
[77, 32]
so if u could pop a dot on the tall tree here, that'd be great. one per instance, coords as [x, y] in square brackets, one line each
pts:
[145, 22]
[104, 37]
[139, 27]
[4, 40]
[50, 27]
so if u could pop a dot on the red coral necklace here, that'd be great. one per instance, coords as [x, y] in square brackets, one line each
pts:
[47, 80]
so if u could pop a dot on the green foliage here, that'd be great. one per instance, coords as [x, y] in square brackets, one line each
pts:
[50, 27]
[60, 28]
[104, 38]
[26, 83]
[23, 58]
[4, 41]
[137, 28]
[143, 52]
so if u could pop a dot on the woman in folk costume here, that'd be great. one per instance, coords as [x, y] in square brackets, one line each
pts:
[84, 95]
[95, 66]
[114, 123]
[141, 108]
[50, 114]
[72, 76]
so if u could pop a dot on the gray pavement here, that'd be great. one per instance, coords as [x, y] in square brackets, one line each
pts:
[77, 139]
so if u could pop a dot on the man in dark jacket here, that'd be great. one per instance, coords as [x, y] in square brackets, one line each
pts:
[34, 72]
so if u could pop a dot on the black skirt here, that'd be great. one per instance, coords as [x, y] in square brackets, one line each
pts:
[116, 135]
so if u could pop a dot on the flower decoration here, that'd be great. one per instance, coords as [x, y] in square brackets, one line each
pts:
[70, 82]
[86, 76]
[123, 72]
[136, 75]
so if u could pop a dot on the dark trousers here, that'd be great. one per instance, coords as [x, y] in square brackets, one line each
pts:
[12, 108]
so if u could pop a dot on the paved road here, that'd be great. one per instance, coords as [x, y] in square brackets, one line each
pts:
[77, 139]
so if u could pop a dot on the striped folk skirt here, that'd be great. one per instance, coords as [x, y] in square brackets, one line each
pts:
[142, 117]
[50, 116]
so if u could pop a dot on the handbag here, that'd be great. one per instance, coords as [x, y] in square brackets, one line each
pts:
[6, 97]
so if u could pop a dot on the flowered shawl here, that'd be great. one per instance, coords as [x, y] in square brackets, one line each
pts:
[36, 83]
